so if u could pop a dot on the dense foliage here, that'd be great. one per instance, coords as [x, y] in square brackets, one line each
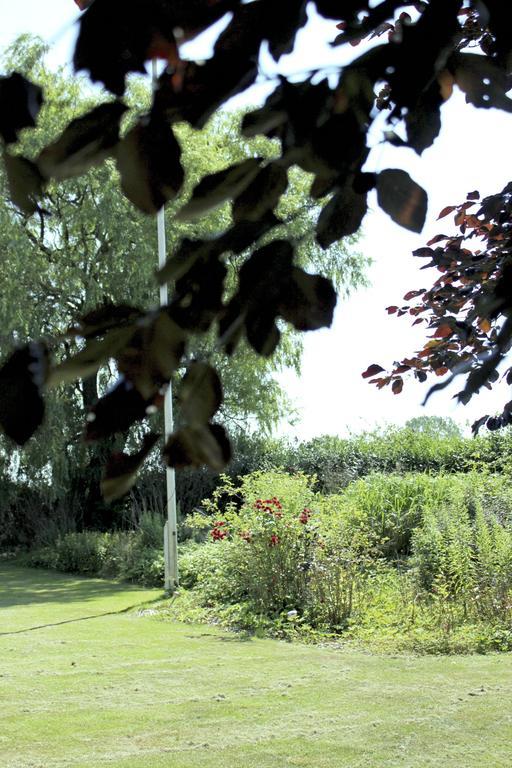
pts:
[467, 310]
[129, 555]
[32, 514]
[406, 561]
[93, 246]
[408, 71]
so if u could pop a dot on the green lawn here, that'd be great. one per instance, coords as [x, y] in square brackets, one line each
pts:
[84, 684]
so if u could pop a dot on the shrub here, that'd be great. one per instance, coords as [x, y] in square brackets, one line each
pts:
[122, 555]
[281, 557]
[273, 545]
[464, 564]
[343, 562]
[388, 507]
[80, 552]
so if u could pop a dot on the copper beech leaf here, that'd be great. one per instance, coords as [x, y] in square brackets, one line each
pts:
[262, 194]
[309, 302]
[148, 160]
[446, 211]
[105, 318]
[271, 287]
[118, 36]
[200, 395]
[484, 83]
[198, 445]
[24, 181]
[402, 199]
[372, 370]
[215, 189]
[443, 331]
[87, 141]
[153, 353]
[397, 385]
[115, 38]
[92, 356]
[197, 296]
[342, 216]
[120, 472]
[177, 265]
[287, 19]
[191, 253]
[22, 378]
[423, 121]
[118, 409]
[20, 102]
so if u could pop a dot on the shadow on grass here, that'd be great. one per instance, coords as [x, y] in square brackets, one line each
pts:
[74, 621]
[243, 636]
[26, 586]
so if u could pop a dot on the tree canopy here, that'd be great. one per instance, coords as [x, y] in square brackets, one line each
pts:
[413, 54]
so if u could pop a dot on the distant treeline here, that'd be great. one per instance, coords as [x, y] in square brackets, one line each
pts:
[30, 514]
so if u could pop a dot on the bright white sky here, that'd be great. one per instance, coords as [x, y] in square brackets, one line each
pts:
[472, 152]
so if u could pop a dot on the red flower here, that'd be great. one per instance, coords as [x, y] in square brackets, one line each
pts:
[274, 540]
[305, 516]
[218, 533]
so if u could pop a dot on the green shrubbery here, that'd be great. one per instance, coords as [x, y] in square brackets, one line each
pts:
[415, 561]
[405, 561]
[41, 512]
[127, 555]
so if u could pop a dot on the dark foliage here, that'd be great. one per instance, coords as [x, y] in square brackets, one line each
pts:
[322, 128]
[468, 310]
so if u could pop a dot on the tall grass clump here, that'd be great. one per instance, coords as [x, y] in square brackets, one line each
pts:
[463, 565]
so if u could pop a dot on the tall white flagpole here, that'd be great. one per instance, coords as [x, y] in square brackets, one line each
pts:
[171, 527]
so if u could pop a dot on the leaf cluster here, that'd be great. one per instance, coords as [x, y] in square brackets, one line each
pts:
[468, 310]
[320, 128]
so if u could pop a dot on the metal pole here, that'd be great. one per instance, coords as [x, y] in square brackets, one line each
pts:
[171, 527]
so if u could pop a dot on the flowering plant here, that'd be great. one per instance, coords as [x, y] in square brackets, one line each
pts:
[271, 523]
[280, 548]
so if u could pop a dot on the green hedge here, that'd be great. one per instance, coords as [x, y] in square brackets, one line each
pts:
[29, 514]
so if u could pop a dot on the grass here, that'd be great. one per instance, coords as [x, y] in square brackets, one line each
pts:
[83, 683]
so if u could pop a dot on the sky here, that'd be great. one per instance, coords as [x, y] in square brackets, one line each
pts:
[330, 396]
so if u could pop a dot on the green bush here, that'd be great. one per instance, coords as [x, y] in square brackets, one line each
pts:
[281, 557]
[409, 561]
[80, 552]
[121, 555]
[388, 507]
[464, 564]
[274, 545]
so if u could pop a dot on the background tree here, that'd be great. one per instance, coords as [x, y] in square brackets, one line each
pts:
[441, 427]
[92, 248]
